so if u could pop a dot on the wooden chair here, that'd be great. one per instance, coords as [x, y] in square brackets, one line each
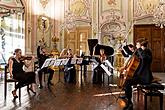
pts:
[6, 80]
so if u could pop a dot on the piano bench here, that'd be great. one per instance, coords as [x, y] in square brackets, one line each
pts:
[151, 90]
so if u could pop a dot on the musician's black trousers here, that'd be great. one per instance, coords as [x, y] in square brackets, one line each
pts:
[70, 75]
[24, 78]
[45, 70]
[128, 87]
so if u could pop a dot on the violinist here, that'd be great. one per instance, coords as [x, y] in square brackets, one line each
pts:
[143, 74]
[42, 56]
[98, 71]
[16, 71]
[69, 69]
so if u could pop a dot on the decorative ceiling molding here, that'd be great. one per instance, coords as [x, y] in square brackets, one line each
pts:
[44, 3]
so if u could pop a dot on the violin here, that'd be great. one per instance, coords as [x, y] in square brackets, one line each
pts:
[22, 58]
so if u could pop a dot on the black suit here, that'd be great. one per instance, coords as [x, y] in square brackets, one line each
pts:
[143, 74]
[41, 60]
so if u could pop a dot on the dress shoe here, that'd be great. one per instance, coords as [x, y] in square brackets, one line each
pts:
[129, 106]
[40, 86]
[32, 91]
[122, 97]
[14, 95]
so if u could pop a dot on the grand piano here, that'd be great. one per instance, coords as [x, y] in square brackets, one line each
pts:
[94, 49]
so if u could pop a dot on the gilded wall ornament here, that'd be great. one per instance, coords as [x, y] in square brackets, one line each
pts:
[111, 27]
[79, 12]
[149, 5]
[43, 23]
[79, 8]
[144, 9]
[112, 2]
[44, 3]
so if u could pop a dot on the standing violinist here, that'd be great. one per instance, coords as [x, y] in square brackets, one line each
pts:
[42, 56]
[143, 74]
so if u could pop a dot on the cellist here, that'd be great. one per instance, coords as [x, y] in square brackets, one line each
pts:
[142, 74]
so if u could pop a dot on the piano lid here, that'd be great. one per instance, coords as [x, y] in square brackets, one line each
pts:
[91, 44]
[107, 49]
[94, 43]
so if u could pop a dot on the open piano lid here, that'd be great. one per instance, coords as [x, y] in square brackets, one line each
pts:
[94, 42]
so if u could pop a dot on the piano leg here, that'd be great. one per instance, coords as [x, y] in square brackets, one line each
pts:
[81, 74]
[85, 70]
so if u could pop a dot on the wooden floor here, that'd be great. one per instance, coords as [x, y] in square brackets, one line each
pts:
[72, 97]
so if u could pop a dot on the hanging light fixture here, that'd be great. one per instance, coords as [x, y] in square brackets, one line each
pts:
[159, 14]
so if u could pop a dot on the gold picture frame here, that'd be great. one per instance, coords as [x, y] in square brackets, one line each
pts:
[43, 23]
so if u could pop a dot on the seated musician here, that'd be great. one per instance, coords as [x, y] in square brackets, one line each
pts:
[16, 72]
[69, 69]
[98, 71]
[42, 56]
[143, 74]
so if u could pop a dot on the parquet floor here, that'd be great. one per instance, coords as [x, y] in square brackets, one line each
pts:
[72, 97]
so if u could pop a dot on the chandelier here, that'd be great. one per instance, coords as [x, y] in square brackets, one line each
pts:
[159, 14]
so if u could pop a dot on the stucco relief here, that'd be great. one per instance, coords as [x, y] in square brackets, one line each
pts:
[144, 9]
[79, 11]
[110, 4]
[112, 22]
[79, 8]
[112, 26]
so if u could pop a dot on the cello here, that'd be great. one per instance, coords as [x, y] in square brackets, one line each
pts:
[129, 69]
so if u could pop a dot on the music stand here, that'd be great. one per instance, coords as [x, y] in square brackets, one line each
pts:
[60, 62]
[55, 62]
[109, 74]
[78, 61]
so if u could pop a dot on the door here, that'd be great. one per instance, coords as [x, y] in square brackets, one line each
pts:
[156, 43]
[77, 40]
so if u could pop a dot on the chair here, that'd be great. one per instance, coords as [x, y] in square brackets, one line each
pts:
[6, 80]
[151, 90]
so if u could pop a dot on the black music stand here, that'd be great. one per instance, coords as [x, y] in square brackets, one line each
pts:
[60, 62]
[107, 63]
[78, 61]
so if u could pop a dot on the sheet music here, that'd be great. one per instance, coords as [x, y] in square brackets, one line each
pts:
[109, 64]
[95, 63]
[76, 60]
[64, 61]
[73, 60]
[46, 63]
[106, 70]
[52, 61]
[57, 62]
[79, 60]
